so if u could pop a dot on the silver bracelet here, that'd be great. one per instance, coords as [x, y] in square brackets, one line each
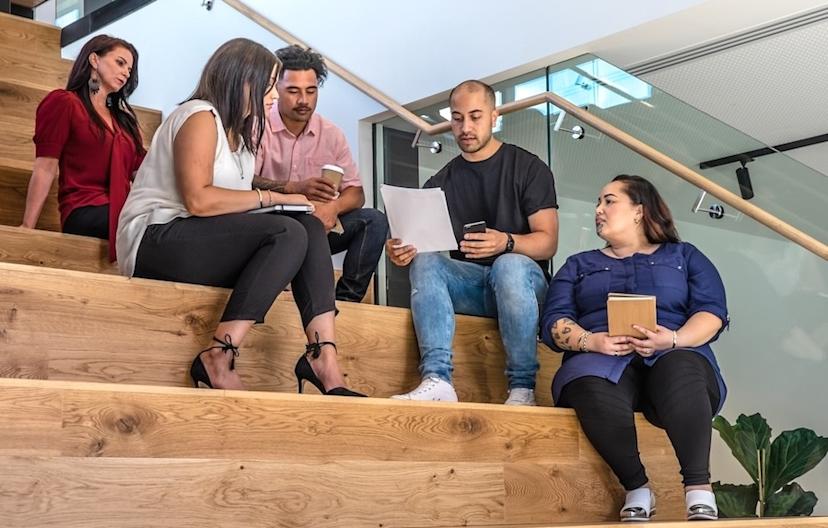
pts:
[582, 341]
[675, 338]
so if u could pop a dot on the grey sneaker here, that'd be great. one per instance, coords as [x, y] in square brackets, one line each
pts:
[431, 388]
[521, 396]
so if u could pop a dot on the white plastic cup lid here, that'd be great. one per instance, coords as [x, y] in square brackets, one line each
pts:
[335, 168]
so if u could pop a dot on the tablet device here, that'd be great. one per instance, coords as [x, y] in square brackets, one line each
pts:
[283, 208]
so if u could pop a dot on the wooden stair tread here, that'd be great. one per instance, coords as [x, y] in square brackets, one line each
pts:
[111, 328]
[36, 69]
[14, 183]
[54, 250]
[51, 249]
[510, 465]
[35, 37]
[20, 100]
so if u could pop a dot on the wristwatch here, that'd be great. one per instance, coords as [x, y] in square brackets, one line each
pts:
[510, 243]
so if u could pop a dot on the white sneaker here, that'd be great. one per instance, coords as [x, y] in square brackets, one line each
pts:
[521, 396]
[638, 506]
[431, 389]
[701, 505]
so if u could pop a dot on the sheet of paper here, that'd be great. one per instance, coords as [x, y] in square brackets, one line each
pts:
[419, 217]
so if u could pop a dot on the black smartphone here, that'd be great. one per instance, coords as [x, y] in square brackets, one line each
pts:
[475, 227]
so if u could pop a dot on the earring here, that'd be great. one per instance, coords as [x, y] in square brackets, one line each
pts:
[637, 221]
[94, 83]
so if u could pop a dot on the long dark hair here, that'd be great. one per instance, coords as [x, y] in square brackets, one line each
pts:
[657, 219]
[117, 102]
[237, 66]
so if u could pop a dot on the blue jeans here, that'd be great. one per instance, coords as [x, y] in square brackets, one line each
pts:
[365, 231]
[511, 290]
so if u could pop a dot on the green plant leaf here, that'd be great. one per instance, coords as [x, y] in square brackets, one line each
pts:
[792, 454]
[745, 438]
[790, 501]
[736, 500]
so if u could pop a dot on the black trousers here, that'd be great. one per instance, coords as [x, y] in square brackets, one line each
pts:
[257, 255]
[679, 393]
[365, 232]
[92, 221]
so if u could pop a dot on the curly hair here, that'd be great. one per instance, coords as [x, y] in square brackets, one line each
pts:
[298, 58]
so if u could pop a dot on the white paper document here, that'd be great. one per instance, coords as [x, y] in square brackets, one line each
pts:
[419, 217]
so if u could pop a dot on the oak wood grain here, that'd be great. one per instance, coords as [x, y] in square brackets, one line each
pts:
[112, 329]
[29, 35]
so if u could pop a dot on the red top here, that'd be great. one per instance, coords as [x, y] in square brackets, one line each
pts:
[95, 168]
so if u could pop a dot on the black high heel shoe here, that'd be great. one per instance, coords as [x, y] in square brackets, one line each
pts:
[304, 371]
[198, 372]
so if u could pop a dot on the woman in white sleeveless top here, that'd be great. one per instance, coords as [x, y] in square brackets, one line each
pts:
[185, 220]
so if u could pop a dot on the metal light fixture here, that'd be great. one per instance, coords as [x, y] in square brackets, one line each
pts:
[577, 132]
[743, 176]
[435, 147]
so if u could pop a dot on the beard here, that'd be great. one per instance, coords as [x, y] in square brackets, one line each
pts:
[471, 148]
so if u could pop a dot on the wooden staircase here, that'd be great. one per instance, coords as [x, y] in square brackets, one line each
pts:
[30, 67]
[99, 428]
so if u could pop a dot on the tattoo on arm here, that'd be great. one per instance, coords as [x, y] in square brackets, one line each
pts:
[563, 332]
[268, 185]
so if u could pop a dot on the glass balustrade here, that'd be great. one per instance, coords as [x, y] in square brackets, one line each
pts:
[775, 354]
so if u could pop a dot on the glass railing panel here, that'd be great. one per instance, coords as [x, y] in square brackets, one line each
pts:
[782, 185]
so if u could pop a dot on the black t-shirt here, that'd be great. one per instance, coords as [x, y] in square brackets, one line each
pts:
[503, 191]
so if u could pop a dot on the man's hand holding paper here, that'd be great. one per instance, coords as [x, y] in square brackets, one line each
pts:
[419, 222]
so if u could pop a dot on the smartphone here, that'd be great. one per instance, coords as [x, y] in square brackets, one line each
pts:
[475, 227]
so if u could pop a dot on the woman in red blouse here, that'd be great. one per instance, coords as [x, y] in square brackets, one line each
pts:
[88, 133]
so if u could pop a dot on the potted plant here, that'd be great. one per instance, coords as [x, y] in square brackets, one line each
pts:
[771, 465]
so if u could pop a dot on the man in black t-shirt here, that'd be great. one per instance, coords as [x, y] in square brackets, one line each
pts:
[501, 272]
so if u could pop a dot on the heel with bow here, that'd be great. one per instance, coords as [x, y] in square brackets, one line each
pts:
[198, 372]
[304, 371]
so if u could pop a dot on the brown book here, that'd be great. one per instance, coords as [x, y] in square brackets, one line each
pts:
[625, 310]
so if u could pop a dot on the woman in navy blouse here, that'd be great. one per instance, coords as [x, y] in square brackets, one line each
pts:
[671, 375]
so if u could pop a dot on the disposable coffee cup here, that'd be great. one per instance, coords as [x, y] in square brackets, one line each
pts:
[333, 173]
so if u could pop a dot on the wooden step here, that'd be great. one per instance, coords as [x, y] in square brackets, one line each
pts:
[50, 72]
[77, 326]
[14, 182]
[20, 100]
[76, 454]
[29, 36]
[54, 250]
[36, 247]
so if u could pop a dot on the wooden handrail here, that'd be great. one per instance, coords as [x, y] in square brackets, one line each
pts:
[757, 213]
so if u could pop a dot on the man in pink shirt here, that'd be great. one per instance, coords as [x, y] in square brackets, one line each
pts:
[296, 143]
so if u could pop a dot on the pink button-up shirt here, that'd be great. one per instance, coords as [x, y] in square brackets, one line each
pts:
[285, 157]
